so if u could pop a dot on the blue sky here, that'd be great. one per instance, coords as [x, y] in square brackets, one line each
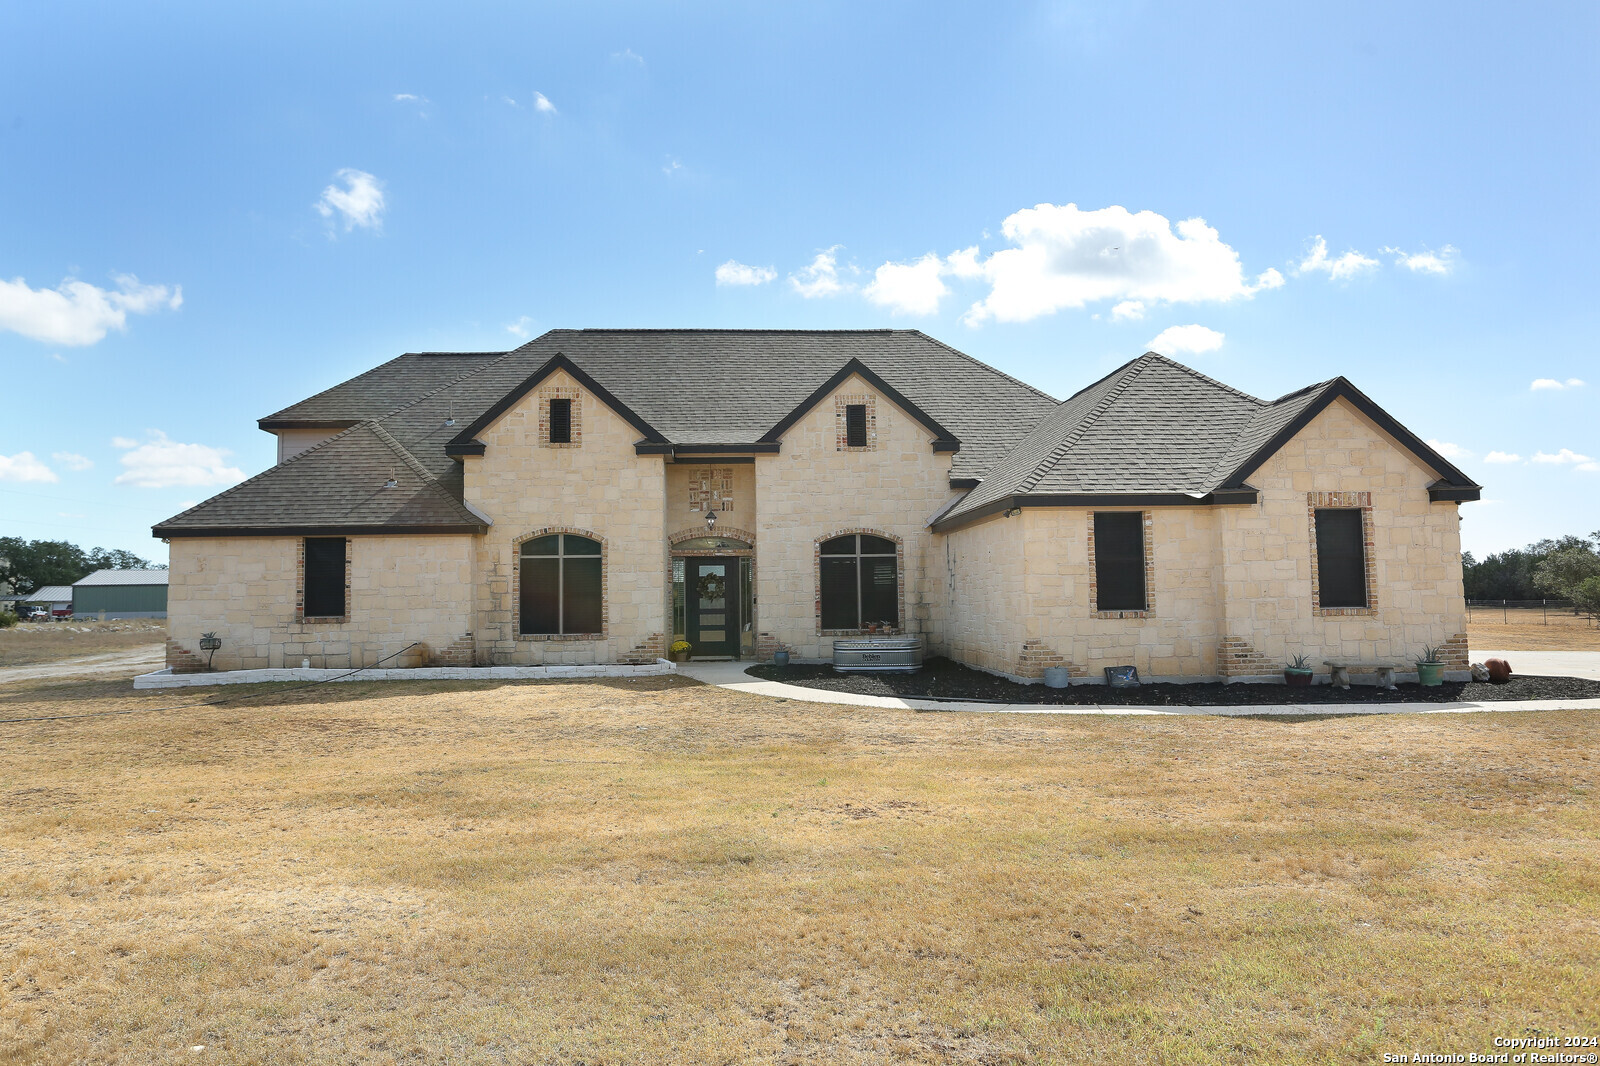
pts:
[208, 213]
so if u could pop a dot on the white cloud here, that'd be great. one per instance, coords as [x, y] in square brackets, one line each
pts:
[1175, 340]
[541, 102]
[1448, 450]
[1341, 268]
[24, 467]
[1502, 457]
[72, 460]
[359, 203]
[1426, 261]
[628, 55]
[1562, 458]
[161, 463]
[410, 98]
[520, 328]
[1128, 311]
[1551, 384]
[78, 313]
[821, 277]
[734, 272]
[124, 442]
[909, 288]
[1065, 257]
[671, 166]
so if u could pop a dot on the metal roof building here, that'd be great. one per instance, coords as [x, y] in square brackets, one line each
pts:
[121, 594]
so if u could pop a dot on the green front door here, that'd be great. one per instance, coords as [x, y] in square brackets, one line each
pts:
[711, 592]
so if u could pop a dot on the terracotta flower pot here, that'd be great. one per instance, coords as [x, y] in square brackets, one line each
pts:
[1499, 671]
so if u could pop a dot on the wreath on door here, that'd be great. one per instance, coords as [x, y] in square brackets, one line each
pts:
[712, 586]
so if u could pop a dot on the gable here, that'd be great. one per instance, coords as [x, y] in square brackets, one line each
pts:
[856, 380]
[559, 373]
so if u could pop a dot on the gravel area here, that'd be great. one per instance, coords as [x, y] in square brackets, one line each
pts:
[943, 679]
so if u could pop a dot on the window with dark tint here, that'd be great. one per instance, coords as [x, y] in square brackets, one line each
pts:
[1119, 561]
[1341, 558]
[859, 581]
[560, 585]
[560, 421]
[855, 425]
[324, 577]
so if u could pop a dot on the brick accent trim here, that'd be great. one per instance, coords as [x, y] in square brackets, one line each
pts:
[899, 577]
[841, 434]
[560, 392]
[1350, 500]
[1148, 522]
[461, 652]
[737, 534]
[647, 651]
[183, 661]
[516, 583]
[1454, 653]
[1036, 655]
[300, 586]
[1236, 657]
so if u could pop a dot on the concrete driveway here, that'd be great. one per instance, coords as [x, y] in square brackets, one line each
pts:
[1548, 663]
[125, 663]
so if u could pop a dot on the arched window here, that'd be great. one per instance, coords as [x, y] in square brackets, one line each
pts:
[859, 582]
[560, 585]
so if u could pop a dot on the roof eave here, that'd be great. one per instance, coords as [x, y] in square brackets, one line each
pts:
[335, 530]
[1218, 498]
[944, 440]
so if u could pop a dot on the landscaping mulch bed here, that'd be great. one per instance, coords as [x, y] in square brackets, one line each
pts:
[941, 678]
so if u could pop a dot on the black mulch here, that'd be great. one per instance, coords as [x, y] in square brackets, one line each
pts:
[943, 679]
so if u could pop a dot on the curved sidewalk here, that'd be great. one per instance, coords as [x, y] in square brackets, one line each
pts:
[731, 675]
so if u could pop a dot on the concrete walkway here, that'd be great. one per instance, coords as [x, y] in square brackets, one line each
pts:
[137, 661]
[1547, 663]
[732, 676]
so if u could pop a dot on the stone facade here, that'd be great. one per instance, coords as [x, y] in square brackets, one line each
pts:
[1231, 590]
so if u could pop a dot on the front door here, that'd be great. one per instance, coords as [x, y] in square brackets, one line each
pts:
[711, 592]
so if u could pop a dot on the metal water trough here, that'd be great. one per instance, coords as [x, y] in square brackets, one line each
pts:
[900, 655]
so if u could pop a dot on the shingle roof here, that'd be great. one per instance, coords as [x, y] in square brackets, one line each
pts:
[1154, 427]
[123, 577]
[381, 389]
[339, 485]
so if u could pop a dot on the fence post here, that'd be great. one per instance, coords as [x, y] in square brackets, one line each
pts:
[1505, 615]
[1545, 603]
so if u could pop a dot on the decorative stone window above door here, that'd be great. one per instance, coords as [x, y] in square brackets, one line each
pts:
[711, 489]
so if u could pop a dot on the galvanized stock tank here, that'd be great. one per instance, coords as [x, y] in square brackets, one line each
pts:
[900, 655]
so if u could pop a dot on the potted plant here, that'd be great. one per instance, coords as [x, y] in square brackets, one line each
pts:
[1298, 673]
[780, 656]
[680, 651]
[1430, 668]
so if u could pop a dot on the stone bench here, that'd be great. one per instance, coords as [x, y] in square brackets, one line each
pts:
[1341, 672]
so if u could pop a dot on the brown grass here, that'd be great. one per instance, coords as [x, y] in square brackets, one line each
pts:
[1531, 630]
[44, 642]
[652, 871]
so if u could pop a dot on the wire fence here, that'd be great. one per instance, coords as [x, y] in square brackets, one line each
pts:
[1504, 608]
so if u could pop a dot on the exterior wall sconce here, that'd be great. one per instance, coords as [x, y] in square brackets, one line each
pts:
[711, 521]
[1013, 512]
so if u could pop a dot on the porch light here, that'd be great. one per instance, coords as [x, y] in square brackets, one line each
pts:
[1013, 512]
[711, 521]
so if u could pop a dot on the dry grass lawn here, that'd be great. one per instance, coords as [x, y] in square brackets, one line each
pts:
[654, 872]
[44, 642]
[1531, 630]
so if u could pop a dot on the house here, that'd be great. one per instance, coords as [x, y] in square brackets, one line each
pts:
[121, 594]
[593, 494]
[56, 599]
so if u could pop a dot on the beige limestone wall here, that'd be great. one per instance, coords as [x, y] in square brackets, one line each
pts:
[1265, 552]
[598, 486]
[814, 488]
[684, 473]
[402, 589]
[1019, 597]
[980, 594]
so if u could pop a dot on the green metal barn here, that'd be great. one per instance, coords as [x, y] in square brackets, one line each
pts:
[121, 594]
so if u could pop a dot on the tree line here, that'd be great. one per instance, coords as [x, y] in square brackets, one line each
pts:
[29, 565]
[1565, 568]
